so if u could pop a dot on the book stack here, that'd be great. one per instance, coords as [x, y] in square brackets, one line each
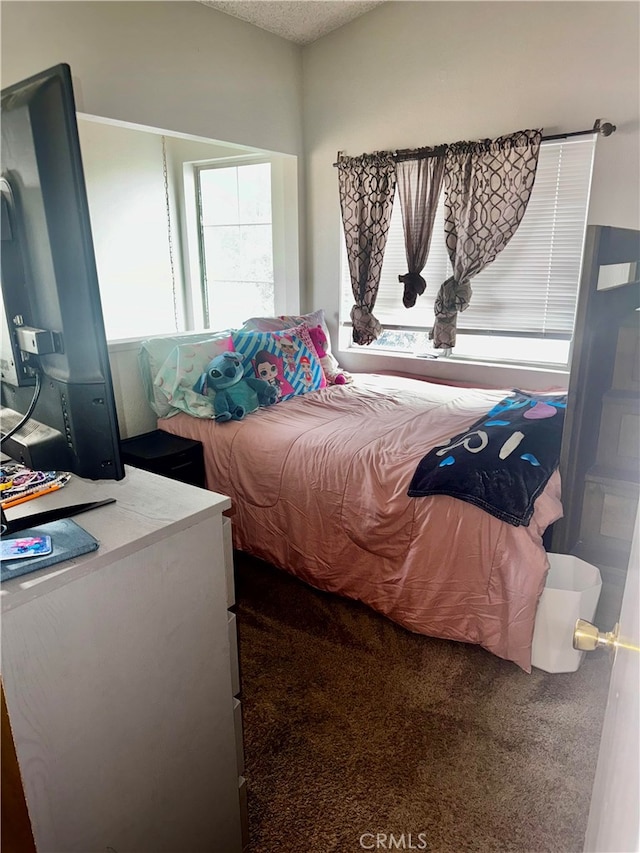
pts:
[19, 483]
[68, 540]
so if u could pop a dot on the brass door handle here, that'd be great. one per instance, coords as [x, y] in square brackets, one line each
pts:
[586, 637]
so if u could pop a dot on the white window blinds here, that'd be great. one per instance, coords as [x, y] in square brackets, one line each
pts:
[531, 287]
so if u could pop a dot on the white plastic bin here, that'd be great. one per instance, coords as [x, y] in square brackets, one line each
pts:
[571, 592]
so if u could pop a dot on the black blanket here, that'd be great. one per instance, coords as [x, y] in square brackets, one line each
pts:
[503, 462]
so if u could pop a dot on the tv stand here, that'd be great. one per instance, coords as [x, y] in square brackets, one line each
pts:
[27, 521]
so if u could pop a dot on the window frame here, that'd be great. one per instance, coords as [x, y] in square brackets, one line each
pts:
[284, 233]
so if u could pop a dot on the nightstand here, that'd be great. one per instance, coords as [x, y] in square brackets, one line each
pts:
[165, 454]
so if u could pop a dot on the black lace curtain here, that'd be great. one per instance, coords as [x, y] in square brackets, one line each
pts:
[367, 187]
[419, 186]
[487, 188]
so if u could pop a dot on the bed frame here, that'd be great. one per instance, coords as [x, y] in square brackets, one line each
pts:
[600, 456]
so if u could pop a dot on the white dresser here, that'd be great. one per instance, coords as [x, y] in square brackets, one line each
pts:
[120, 674]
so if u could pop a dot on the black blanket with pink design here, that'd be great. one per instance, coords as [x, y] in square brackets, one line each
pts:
[503, 462]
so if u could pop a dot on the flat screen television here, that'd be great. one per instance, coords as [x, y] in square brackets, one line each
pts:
[53, 341]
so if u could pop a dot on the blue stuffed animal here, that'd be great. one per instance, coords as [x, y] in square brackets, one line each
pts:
[235, 396]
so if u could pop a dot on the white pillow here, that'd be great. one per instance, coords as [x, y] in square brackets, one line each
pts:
[152, 355]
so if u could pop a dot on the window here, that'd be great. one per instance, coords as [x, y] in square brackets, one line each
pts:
[523, 304]
[188, 233]
[236, 242]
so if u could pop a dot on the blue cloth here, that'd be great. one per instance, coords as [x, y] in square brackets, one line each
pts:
[503, 462]
[68, 540]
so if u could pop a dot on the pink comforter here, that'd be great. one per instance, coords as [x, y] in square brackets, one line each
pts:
[319, 486]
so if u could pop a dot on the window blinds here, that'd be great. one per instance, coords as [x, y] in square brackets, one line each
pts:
[531, 288]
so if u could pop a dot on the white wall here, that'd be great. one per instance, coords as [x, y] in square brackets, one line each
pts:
[125, 189]
[172, 65]
[422, 73]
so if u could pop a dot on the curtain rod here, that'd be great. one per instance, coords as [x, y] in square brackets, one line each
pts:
[604, 128]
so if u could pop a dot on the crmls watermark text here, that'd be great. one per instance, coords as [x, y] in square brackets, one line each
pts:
[391, 841]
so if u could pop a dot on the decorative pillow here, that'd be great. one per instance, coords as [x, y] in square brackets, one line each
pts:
[319, 332]
[151, 357]
[286, 359]
[180, 370]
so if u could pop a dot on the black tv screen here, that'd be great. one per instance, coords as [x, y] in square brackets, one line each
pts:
[53, 332]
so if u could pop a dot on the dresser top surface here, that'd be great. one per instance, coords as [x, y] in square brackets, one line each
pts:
[147, 509]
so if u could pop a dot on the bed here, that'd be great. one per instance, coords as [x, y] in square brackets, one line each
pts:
[319, 488]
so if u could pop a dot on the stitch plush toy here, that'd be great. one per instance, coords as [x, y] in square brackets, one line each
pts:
[234, 395]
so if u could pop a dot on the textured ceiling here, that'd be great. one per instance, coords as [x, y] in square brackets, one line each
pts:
[301, 22]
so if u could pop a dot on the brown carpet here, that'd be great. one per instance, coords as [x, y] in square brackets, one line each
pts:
[353, 725]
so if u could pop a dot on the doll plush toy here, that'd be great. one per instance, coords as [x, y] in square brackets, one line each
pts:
[334, 374]
[235, 396]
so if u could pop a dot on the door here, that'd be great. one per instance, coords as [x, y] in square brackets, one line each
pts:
[614, 822]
